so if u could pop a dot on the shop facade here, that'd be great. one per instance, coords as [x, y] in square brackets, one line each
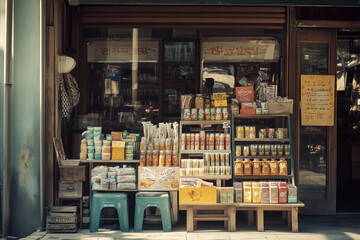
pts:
[176, 34]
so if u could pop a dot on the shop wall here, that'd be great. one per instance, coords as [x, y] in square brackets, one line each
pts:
[25, 120]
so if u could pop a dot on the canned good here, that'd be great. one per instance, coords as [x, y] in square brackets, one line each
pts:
[222, 170]
[246, 151]
[227, 159]
[197, 141]
[238, 151]
[207, 157]
[183, 141]
[217, 141]
[211, 141]
[201, 114]
[228, 170]
[187, 114]
[201, 163]
[240, 132]
[225, 114]
[202, 140]
[271, 132]
[194, 114]
[218, 114]
[212, 162]
[253, 149]
[189, 163]
[182, 172]
[195, 163]
[183, 163]
[207, 140]
[217, 170]
[227, 141]
[188, 141]
[192, 141]
[212, 170]
[247, 132]
[207, 114]
[213, 113]
[262, 133]
[222, 159]
[222, 141]
[252, 132]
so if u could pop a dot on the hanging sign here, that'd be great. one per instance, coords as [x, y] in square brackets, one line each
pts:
[317, 100]
[240, 50]
[122, 51]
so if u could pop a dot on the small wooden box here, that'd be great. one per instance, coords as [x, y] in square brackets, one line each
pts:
[70, 189]
[73, 173]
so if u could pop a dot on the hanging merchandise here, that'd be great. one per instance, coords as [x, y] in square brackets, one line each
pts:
[69, 95]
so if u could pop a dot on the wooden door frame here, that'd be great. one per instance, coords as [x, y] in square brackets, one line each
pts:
[317, 36]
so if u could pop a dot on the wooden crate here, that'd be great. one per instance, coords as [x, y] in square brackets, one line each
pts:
[62, 219]
[70, 189]
[57, 228]
[74, 173]
[59, 217]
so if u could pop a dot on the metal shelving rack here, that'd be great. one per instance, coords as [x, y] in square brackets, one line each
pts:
[290, 158]
[202, 124]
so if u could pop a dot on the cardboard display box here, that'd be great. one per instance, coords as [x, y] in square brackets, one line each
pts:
[158, 178]
[197, 195]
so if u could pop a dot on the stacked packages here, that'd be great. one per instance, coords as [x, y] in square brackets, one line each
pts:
[113, 178]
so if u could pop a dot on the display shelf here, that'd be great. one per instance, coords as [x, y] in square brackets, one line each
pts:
[260, 116]
[113, 190]
[203, 151]
[267, 156]
[262, 177]
[210, 177]
[203, 122]
[261, 140]
[109, 161]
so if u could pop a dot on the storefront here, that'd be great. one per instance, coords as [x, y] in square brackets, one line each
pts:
[120, 89]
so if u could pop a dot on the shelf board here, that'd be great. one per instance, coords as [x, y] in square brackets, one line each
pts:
[261, 139]
[210, 177]
[203, 151]
[110, 161]
[112, 190]
[244, 177]
[259, 116]
[267, 156]
[201, 122]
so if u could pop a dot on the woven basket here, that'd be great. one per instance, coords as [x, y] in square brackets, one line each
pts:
[70, 162]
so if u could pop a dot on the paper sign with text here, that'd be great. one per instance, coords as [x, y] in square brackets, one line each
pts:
[317, 100]
[220, 99]
[245, 94]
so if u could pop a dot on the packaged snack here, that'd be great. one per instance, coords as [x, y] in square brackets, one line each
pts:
[168, 144]
[217, 141]
[265, 167]
[183, 141]
[238, 151]
[247, 132]
[197, 141]
[155, 158]
[274, 167]
[227, 141]
[168, 156]
[142, 158]
[282, 192]
[175, 158]
[239, 167]
[192, 141]
[283, 168]
[161, 158]
[271, 132]
[256, 192]
[274, 192]
[202, 140]
[252, 132]
[253, 149]
[247, 167]
[256, 167]
[222, 141]
[240, 132]
[247, 189]
[148, 158]
[246, 151]
[264, 192]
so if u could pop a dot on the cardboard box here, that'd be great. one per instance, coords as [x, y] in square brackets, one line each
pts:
[247, 111]
[118, 150]
[245, 94]
[247, 189]
[274, 192]
[256, 192]
[264, 192]
[292, 193]
[282, 192]
[158, 178]
[238, 191]
[197, 195]
[281, 107]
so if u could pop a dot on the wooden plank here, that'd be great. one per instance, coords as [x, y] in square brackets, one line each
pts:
[226, 212]
[174, 206]
[232, 219]
[289, 216]
[294, 219]
[269, 116]
[260, 219]
[49, 116]
[270, 205]
[251, 217]
[204, 218]
[190, 219]
[261, 139]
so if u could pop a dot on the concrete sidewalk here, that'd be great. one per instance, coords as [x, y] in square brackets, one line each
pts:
[338, 227]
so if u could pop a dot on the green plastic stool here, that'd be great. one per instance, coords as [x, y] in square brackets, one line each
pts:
[118, 201]
[160, 200]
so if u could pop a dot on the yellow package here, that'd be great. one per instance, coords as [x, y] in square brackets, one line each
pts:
[256, 192]
[118, 150]
[247, 192]
[197, 195]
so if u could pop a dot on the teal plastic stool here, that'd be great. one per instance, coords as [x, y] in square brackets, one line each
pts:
[160, 200]
[119, 201]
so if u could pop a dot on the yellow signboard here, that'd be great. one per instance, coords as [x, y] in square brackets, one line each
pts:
[317, 100]
[220, 99]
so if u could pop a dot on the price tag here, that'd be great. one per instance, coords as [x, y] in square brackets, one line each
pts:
[226, 125]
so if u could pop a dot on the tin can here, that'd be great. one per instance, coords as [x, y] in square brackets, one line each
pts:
[194, 114]
[271, 132]
[202, 140]
[238, 151]
[187, 114]
[252, 132]
[222, 141]
[227, 159]
[213, 113]
[217, 141]
[222, 159]
[207, 114]
[218, 113]
[247, 132]
[240, 132]
[212, 159]
[217, 159]
[201, 114]
[227, 141]
[197, 141]
[225, 113]
[211, 141]
[188, 141]
[192, 141]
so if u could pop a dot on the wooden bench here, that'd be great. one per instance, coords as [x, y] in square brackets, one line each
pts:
[193, 216]
[290, 208]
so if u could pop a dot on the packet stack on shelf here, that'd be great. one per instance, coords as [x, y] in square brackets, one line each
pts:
[113, 178]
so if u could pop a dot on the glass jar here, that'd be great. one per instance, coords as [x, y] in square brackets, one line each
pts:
[199, 101]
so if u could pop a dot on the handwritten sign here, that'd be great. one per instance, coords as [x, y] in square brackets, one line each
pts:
[220, 99]
[240, 50]
[317, 100]
[122, 51]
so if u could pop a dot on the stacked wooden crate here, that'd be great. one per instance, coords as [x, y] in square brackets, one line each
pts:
[62, 219]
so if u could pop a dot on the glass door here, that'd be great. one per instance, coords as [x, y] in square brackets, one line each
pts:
[317, 151]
